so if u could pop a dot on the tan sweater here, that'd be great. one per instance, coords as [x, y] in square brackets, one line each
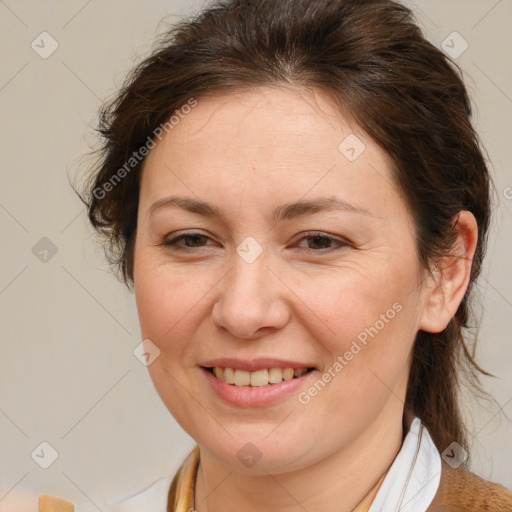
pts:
[462, 491]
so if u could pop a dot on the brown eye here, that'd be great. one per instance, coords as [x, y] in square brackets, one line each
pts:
[319, 242]
[191, 240]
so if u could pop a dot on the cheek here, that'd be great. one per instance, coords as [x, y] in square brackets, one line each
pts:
[359, 304]
[155, 304]
[165, 316]
[372, 321]
[374, 326]
[170, 304]
[159, 294]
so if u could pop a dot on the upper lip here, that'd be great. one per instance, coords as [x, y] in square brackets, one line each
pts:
[258, 363]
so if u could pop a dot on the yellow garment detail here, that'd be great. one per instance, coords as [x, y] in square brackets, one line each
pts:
[49, 503]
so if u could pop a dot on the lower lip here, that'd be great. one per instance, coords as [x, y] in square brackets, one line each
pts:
[255, 396]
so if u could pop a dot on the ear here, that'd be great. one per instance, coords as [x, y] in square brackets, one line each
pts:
[446, 287]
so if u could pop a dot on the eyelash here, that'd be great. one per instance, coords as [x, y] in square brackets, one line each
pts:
[173, 242]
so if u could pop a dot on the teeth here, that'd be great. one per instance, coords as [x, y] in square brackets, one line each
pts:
[275, 375]
[299, 371]
[242, 378]
[258, 378]
[288, 374]
[229, 375]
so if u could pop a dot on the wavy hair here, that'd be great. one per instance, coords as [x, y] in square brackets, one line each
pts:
[371, 57]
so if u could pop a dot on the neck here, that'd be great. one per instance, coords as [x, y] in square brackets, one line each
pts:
[354, 469]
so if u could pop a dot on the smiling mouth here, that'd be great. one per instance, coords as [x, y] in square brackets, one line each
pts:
[259, 378]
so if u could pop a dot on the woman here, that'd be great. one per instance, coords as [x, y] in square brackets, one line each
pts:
[297, 194]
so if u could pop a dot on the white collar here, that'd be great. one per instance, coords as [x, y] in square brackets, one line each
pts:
[413, 479]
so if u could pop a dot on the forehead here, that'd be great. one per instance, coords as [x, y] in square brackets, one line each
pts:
[264, 117]
[267, 142]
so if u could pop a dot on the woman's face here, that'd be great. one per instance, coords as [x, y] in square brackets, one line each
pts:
[253, 283]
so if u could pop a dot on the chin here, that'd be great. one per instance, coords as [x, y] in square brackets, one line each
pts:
[259, 458]
[259, 449]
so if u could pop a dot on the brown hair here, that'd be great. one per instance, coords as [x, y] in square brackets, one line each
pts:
[372, 58]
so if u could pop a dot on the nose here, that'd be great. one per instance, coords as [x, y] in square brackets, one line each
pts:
[251, 301]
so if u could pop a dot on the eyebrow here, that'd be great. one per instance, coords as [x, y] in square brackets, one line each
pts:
[283, 212]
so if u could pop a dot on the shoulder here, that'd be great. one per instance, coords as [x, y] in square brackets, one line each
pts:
[462, 491]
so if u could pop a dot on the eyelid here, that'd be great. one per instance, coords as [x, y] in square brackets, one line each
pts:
[172, 240]
[339, 242]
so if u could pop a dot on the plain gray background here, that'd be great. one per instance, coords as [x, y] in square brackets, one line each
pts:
[68, 375]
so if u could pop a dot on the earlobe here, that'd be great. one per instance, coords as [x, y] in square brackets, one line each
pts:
[448, 282]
